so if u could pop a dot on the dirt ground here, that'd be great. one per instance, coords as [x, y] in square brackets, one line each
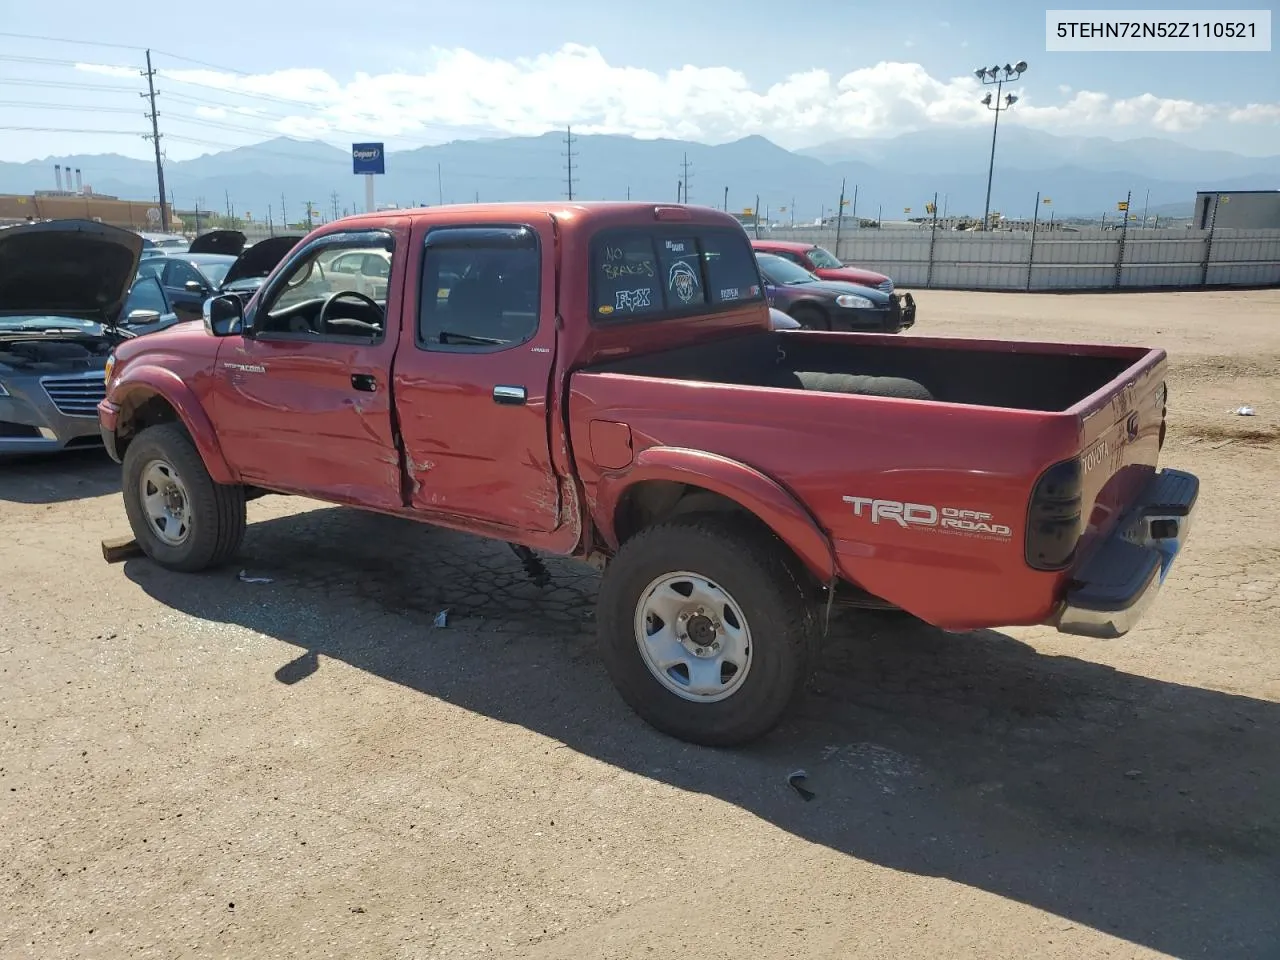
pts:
[200, 766]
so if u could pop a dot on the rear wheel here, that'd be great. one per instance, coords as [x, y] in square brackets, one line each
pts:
[810, 317]
[706, 629]
[180, 517]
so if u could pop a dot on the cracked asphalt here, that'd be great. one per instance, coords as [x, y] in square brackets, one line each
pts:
[310, 767]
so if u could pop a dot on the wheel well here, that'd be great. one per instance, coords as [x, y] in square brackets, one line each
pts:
[652, 501]
[149, 411]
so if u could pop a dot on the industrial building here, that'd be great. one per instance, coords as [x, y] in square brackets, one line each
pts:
[73, 198]
[1237, 210]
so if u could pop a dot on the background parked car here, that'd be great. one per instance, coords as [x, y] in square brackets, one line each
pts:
[822, 262]
[831, 304]
[69, 293]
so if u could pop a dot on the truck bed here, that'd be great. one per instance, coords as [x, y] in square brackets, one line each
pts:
[1038, 377]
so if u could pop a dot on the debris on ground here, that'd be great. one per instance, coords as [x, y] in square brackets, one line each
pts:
[245, 578]
[442, 619]
[796, 782]
[1244, 411]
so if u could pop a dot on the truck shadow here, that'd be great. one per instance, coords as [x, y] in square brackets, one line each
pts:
[1142, 808]
[58, 478]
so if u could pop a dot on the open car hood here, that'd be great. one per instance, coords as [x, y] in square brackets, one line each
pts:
[260, 259]
[230, 242]
[67, 268]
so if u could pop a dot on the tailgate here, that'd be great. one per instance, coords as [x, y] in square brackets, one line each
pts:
[1122, 428]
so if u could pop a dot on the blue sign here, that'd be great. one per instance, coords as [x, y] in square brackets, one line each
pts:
[368, 158]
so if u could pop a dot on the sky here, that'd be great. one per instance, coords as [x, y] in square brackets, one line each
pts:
[417, 73]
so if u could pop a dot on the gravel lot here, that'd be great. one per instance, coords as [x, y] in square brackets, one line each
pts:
[306, 768]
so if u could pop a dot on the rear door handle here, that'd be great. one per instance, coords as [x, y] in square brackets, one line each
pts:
[515, 396]
[364, 381]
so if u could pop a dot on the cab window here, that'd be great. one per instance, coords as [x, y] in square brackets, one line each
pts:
[652, 273]
[316, 299]
[480, 288]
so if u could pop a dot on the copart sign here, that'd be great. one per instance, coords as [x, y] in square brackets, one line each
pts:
[930, 517]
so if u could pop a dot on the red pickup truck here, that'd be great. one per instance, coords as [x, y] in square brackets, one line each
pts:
[601, 381]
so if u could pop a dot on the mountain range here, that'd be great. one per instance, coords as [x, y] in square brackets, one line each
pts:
[1083, 176]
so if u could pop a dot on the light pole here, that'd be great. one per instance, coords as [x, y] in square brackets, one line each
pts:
[997, 75]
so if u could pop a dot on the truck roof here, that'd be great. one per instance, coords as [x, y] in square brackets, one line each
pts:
[595, 213]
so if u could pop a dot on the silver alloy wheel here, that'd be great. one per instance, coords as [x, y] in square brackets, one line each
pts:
[693, 637]
[165, 502]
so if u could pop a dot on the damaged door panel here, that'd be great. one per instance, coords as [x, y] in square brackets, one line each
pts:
[472, 387]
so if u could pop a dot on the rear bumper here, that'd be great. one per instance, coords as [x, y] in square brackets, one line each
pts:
[1113, 588]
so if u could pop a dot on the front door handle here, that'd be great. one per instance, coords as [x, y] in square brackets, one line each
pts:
[515, 396]
[364, 381]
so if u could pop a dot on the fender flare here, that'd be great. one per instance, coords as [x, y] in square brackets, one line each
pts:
[755, 492]
[143, 382]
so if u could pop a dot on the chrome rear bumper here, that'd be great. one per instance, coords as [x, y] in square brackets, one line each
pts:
[1115, 585]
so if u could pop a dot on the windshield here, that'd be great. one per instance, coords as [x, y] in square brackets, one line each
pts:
[214, 271]
[782, 272]
[823, 259]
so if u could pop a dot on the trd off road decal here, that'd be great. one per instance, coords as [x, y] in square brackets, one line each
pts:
[927, 517]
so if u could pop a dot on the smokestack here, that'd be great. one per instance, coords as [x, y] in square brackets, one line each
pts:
[57, 175]
[79, 182]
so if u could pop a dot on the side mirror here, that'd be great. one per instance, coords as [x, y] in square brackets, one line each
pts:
[223, 316]
[140, 317]
[193, 286]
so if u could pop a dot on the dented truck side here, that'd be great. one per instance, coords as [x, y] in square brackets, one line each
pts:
[601, 381]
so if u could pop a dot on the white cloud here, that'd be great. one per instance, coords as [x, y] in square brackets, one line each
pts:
[459, 94]
[1256, 113]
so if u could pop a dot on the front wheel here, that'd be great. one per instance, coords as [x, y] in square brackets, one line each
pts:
[706, 629]
[810, 317]
[180, 517]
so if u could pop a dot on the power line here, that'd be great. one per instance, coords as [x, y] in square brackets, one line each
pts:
[569, 141]
[65, 85]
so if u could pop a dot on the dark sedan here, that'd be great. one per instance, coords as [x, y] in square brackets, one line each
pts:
[818, 304]
[189, 279]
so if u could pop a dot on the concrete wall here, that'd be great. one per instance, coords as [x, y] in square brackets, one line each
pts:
[1059, 260]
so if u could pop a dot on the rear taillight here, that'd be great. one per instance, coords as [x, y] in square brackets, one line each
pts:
[1055, 518]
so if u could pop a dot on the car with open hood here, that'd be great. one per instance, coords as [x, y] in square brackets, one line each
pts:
[69, 294]
[220, 261]
[818, 304]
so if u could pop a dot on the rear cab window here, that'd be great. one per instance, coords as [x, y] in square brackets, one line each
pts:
[655, 273]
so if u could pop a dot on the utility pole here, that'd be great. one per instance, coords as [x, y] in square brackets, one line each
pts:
[679, 191]
[839, 217]
[628, 193]
[199, 200]
[439, 185]
[284, 219]
[150, 95]
[569, 141]
[308, 216]
[726, 199]
[684, 176]
[793, 212]
[226, 196]
[271, 221]
[333, 198]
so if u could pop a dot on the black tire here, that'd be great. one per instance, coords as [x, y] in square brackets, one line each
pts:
[217, 510]
[764, 579]
[810, 317]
